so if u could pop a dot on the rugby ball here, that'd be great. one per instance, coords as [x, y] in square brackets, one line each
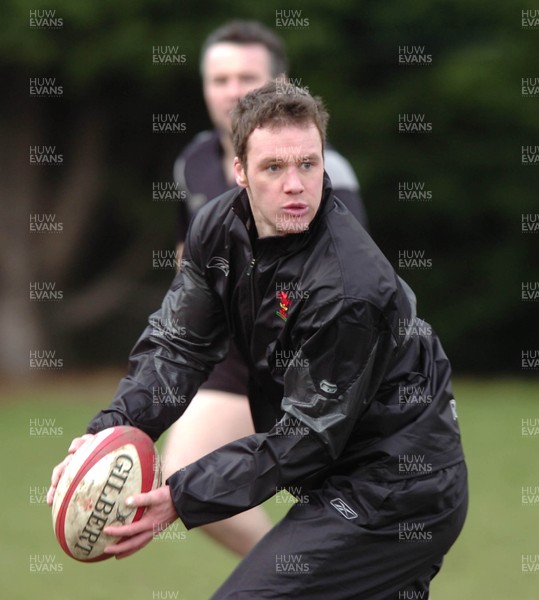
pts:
[106, 470]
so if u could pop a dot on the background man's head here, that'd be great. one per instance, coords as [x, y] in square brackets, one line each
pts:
[235, 59]
[278, 133]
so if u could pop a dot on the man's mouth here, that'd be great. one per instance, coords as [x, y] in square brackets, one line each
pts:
[297, 209]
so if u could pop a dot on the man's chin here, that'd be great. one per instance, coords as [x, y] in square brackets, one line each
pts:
[225, 125]
[288, 225]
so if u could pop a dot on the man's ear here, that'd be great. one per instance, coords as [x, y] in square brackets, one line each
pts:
[239, 172]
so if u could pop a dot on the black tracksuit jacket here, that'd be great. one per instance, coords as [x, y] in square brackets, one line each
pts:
[345, 380]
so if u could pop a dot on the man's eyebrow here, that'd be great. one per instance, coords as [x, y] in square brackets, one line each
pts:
[287, 156]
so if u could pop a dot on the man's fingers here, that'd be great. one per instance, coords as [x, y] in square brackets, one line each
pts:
[78, 442]
[129, 546]
[50, 495]
[152, 519]
[133, 537]
[128, 530]
[140, 499]
[60, 468]
[55, 477]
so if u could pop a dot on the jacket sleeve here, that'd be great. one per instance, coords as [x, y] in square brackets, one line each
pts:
[184, 339]
[331, 378]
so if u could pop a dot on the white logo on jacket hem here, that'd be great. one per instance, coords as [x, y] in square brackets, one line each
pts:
[326, 386]
[218, 262]
[340, 505]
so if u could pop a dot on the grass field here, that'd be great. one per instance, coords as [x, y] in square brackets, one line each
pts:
[494, 558]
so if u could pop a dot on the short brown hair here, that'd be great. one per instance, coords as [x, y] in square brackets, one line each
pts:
[244, 33]
[275, 104]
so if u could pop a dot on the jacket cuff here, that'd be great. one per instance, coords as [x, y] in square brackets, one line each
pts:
[106, 419]
[174, 483]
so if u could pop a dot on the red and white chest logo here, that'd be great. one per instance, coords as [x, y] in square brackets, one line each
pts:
[285, 303]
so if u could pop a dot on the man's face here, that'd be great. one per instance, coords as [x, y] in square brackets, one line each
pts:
[283, 178]
[229, 72]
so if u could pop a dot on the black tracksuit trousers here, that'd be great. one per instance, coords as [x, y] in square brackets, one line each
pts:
[357, 540]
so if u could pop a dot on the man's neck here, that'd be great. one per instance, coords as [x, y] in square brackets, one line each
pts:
[228, 158]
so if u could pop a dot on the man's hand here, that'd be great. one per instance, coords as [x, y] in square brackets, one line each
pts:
[59, 468]
[158, 516]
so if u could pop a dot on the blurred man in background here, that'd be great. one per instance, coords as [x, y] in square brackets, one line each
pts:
[235, 59]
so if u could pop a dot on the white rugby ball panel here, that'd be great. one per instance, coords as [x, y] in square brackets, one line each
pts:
[76, 462]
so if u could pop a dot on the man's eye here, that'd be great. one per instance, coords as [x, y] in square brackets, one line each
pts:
[274, 168]
[306, 165]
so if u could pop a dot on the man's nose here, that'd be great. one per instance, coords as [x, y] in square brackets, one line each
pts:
[292, 182]
[234, 89]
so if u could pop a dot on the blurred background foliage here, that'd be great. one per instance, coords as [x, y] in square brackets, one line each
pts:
[348, 54]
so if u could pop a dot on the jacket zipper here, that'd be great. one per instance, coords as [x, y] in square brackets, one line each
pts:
[250, 275]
